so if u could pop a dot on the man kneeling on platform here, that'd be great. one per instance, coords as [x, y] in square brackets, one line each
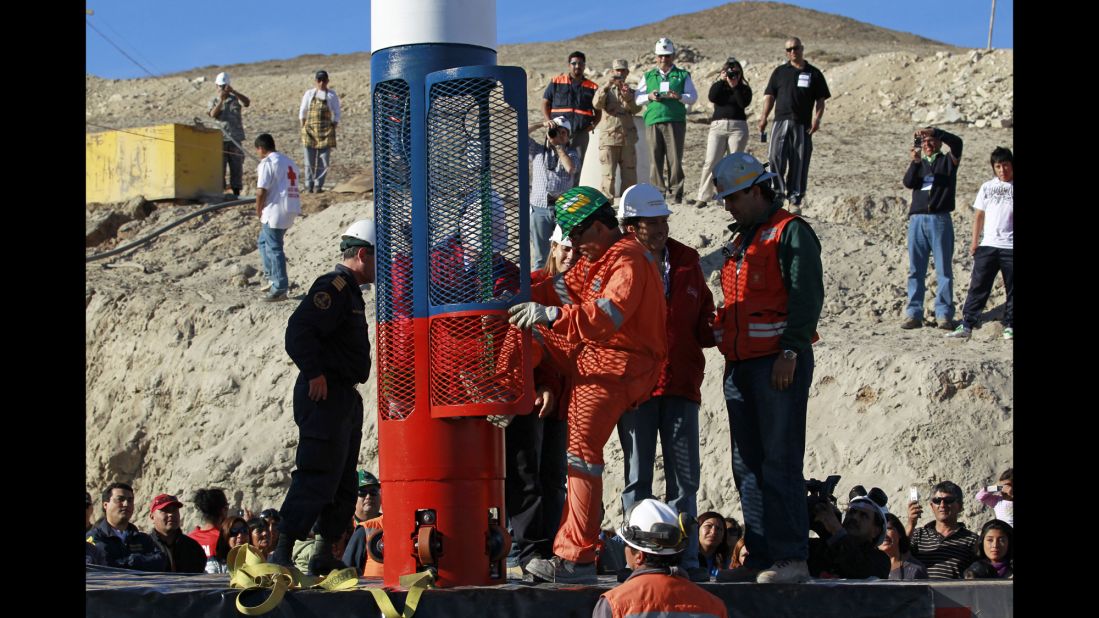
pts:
[656, 540]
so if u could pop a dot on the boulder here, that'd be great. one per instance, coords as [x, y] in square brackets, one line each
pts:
[102, 226]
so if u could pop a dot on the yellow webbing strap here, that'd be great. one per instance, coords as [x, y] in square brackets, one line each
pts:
[416, 584]
[249, 570]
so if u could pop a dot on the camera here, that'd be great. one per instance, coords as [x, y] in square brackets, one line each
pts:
[817, 493]
[552, 132]
[917, 140]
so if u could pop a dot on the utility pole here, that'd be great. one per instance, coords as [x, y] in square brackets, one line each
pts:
[991, 20]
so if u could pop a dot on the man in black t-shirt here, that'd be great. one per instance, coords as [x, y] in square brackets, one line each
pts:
[797, 91]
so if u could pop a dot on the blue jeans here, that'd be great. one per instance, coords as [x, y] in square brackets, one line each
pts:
[273, 258]
[675, 419]
[768, 435]
[542, 222]
[316, 166]
[931, 234]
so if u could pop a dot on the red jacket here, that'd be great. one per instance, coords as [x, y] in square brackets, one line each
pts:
[690, 325]
[754, 317]
[654, 592]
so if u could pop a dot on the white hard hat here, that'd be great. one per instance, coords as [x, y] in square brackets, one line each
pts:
[654, 528]
[664, 46]
[737, 171]
[867, 504]
[561, 121]
[363, 230]
[642, 200]
[222, 79]
[560, 238]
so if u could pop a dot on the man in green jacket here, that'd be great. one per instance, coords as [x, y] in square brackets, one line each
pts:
[666, 91]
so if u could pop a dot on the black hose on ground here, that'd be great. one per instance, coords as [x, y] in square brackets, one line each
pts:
[145, 239]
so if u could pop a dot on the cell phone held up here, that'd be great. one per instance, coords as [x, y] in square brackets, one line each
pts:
[994, 489]
[913, 495]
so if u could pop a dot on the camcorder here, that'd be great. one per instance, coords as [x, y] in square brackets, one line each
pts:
[817, 493]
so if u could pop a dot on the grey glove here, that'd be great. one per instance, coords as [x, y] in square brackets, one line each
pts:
[526, 315]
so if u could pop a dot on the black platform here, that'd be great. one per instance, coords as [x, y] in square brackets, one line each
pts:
[114, 592]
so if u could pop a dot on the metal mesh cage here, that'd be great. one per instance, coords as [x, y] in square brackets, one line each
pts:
[475, 359]
[473, 193]
[393, 212]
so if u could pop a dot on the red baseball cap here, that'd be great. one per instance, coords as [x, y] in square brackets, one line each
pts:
[164, 501]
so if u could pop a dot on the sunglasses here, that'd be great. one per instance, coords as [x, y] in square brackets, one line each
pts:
[790, 49]
[238, 530]
[373, 491]
[948, 500]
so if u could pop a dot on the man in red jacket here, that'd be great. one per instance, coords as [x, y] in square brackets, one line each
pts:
[655, 542]
[672, 412]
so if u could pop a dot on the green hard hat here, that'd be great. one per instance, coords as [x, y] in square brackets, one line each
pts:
[367, 479]
[575, 205]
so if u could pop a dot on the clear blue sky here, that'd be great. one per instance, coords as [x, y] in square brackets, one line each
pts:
[166, 37]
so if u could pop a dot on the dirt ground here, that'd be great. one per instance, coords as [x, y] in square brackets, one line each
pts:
[188, 384]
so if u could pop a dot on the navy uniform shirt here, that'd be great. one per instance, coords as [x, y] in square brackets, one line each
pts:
[327, 334]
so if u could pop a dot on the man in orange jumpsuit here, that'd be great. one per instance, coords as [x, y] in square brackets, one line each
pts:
[608, 337]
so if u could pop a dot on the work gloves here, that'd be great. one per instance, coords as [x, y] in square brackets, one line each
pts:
[526, 315]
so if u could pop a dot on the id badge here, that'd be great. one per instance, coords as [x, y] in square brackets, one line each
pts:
[665, 87]
[803, 80]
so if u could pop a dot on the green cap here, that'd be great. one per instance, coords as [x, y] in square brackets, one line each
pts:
[575, 205]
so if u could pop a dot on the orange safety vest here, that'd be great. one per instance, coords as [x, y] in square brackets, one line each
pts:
[563, 101]
[370, 567]
[754, 316]
[660, 594]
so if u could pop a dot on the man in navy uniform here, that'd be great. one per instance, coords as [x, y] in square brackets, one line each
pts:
[327, 339]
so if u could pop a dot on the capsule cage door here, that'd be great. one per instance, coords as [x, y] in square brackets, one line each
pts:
[479, 256]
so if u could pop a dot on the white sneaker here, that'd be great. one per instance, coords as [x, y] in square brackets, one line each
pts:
[784, 572]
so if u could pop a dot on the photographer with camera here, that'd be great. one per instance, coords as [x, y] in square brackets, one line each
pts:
[731, 96]
[945, 546]
[933, 177]
[848, 550]
[617, 132]
[555, 166]
[655, 543]
[226, 108]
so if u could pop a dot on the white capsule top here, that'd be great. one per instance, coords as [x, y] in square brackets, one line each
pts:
[409, 22]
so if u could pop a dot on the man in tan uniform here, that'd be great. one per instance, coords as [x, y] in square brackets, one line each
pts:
[617, 132]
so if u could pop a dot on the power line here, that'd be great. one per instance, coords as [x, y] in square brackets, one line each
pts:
[120, 50]
[133, 47]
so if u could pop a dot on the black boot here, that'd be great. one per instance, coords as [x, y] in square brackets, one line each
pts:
[284, 551]
[323, 562]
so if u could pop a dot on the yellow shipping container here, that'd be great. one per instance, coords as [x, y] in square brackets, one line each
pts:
[166, 161]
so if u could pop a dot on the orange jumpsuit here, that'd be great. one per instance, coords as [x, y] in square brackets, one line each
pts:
[610, 341]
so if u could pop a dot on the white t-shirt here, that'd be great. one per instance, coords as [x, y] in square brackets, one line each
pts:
[278, 174]
[996, 199]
